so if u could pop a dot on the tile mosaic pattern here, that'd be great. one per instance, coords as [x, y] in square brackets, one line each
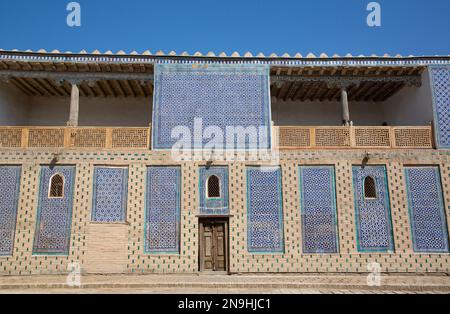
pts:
[265, 232]
[318, 209]
[440, 85]
[426, 209]
[373, 216]
[222, 95]
[54, 216]
[214, 206]
[110, 194]
[162, 217]
[9, 196]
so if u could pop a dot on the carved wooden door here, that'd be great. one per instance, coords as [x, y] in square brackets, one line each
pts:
[213, 248]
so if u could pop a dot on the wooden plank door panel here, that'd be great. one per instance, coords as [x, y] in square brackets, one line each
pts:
[219, 252]
[213, 246]
[208, 252]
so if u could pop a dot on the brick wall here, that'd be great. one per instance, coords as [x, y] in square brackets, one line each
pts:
[95, 246]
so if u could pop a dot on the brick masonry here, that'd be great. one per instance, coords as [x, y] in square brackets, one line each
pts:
[126, 241]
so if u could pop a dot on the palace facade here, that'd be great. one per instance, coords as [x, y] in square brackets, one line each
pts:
[352, 164]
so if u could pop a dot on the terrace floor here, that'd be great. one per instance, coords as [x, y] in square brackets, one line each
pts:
[234, 284]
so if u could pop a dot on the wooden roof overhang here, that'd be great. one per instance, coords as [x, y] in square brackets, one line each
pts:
[325, 84]
[94, 79]
[366, 79]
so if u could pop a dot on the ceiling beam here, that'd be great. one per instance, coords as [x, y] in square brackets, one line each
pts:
[32, 83]
[76, 77]
[391, 91]
[361, 91]
[22, 87]
[410, 80]
[291, 91]
[107, 88]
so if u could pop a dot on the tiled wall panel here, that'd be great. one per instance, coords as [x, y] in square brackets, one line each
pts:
[426, 209]
[110, 194]
[162, 228]
[54, 216]
[220, 96]
[318, 209]
[9, 195]
[440, 86]
[265, 210]
[373, 216]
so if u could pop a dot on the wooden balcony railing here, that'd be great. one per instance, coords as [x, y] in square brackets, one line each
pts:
[293, 137]
[82, 137]
[289, 137]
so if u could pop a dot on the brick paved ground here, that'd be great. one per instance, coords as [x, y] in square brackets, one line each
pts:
[223, 284]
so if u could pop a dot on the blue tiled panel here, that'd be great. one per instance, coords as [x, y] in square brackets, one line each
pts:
[318, 209]
[222, 95]
[54, 216]
[440, 85]
[110, 194]
[214, 206]
[265, 210]
[426, 209]
[162, 219]
[9, 198]
[373, 216]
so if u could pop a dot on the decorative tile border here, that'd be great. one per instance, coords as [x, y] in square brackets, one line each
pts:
[275, 61]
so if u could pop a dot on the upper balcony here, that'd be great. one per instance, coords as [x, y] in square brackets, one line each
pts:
[380, 108]
[289, 137]
[109, 106]
[117, 138]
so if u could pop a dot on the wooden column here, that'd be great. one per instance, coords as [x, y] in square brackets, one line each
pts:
[74, 106]
[345, 110]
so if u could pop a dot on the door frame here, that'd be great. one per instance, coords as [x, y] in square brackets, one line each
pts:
[208, 219]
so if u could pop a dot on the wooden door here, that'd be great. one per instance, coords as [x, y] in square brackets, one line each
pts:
[208, 246]
[219, 247]
[213, 246]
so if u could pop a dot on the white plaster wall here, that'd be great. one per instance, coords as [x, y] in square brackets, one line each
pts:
[411, 106]
[133, 112]
[13, 106]
[326, 113]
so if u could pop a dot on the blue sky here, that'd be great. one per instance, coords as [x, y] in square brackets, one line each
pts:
[419, 27]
